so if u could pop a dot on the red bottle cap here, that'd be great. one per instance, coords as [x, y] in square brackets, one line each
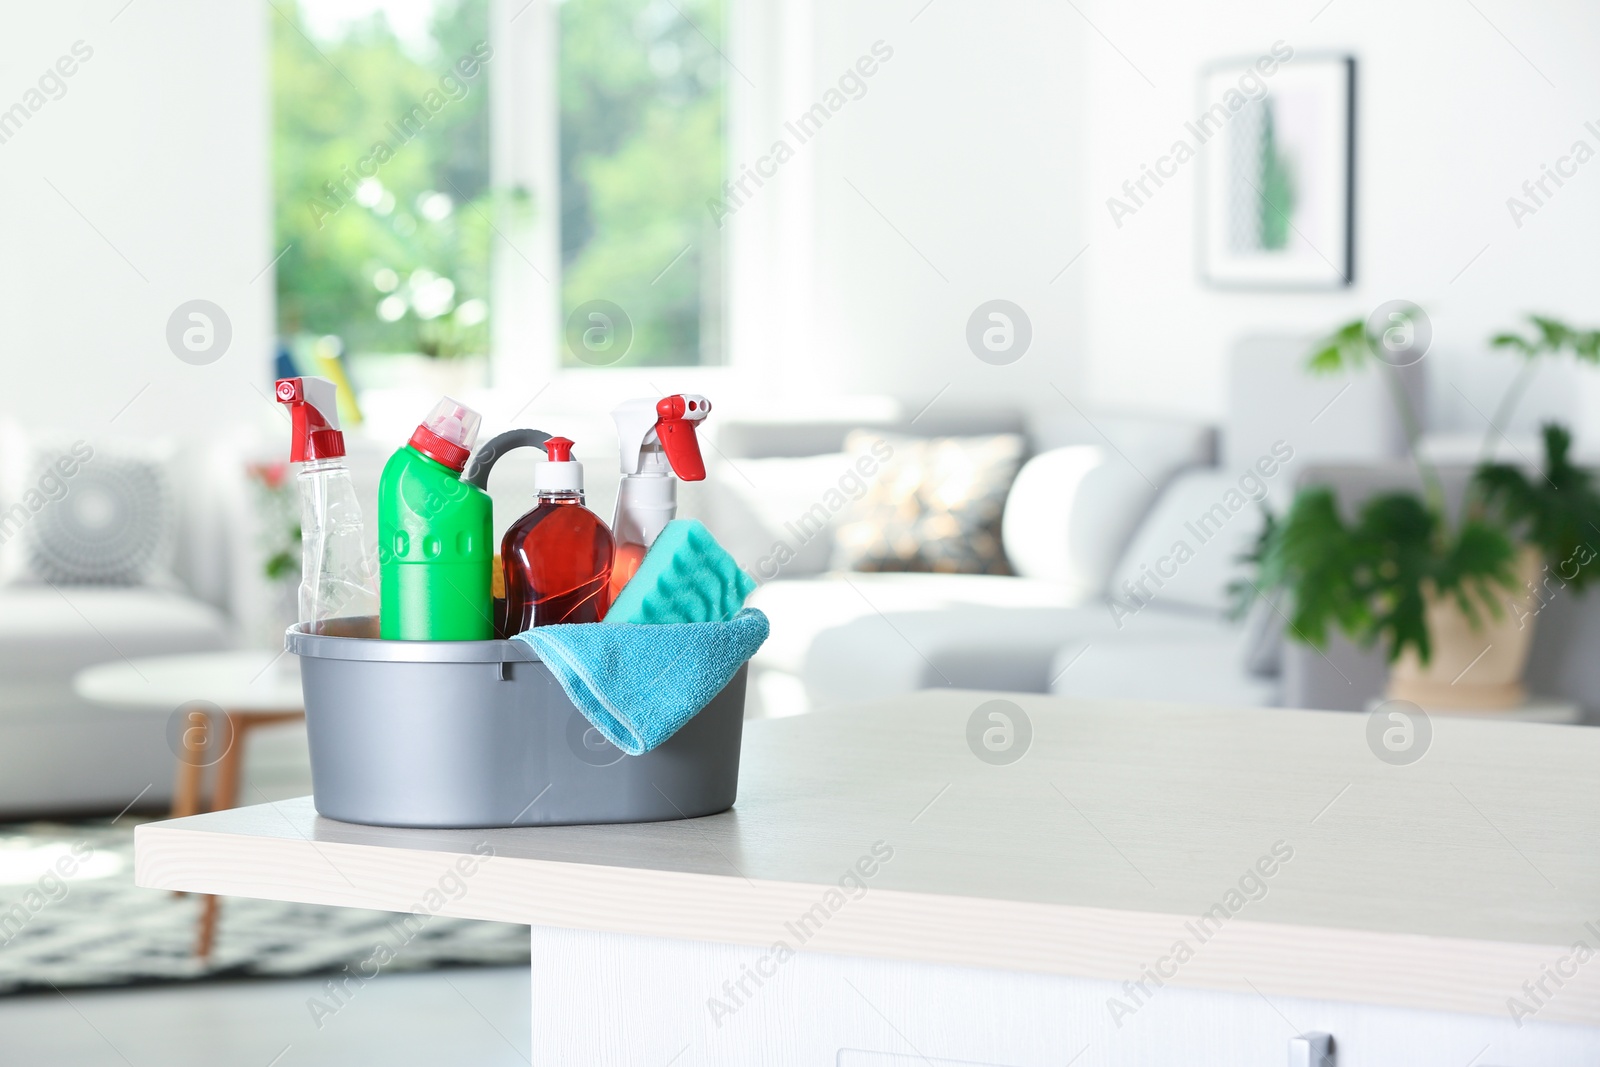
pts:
[447, 434]
[438, 449]
[562, 474]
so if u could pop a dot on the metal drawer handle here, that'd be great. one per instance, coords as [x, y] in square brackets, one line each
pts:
[1312, 1050]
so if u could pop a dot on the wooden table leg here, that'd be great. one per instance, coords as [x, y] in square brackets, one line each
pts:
[191, 764]
[230, 767]
[226, 795]
[208, 927]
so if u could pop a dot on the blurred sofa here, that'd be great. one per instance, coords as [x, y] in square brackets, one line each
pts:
[60, 753]
[1093, 511]
[1103, 603]
[1102, 606]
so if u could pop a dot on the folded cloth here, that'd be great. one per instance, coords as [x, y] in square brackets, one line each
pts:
[638, 684]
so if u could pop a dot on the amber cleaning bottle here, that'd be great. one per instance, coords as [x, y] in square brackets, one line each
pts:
[558, 556]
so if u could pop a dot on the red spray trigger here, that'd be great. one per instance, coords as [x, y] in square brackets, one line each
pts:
[676, 417]
[313, 406]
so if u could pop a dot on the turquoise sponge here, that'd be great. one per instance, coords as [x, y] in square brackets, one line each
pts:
[685, 577]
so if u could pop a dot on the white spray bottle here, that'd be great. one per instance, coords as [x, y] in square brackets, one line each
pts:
[658, 441]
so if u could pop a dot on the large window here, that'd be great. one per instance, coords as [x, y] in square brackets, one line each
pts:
[381, 160]
[385, 216]
[641, 154]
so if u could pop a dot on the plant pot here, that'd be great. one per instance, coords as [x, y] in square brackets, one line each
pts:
[1473, 667]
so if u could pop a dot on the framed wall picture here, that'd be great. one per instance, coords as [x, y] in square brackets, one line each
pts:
[1277, 173]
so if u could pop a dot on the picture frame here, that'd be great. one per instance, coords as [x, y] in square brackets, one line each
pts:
[1277, 172]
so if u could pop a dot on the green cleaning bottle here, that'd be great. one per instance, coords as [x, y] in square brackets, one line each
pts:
[435, 535]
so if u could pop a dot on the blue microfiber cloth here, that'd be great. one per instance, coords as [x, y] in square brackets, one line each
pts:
[685, 577]
[638, 685]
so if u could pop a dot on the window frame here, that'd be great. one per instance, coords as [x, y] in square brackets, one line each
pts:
[525, 265]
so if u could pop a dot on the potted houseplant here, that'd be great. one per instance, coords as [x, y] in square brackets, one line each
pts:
[1451, 596]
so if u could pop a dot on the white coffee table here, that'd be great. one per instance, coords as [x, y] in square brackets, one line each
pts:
[222, 697]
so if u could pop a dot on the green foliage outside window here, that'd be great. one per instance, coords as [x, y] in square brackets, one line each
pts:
[641, 154]
[387, 213]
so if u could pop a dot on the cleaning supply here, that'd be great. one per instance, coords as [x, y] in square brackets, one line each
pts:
[435, 535]
[638, 685]
[658, 441]
[558, 556]
[338, 596]
[685, 577]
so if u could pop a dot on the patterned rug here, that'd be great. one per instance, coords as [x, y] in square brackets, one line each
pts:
[94, 927]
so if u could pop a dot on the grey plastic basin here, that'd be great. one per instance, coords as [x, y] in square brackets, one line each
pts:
[480, 734]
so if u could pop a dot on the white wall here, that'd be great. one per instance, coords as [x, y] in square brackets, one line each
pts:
[1451, 120]
[160, 143]
[990, 142]
[993, 138]
[967, 142]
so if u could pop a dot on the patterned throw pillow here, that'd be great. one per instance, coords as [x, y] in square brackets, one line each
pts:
[109, 523]
[934, 504]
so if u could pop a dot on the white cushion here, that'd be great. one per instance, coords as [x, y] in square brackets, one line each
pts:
[800, 609]
[1069, 515]
[978, 647]
[75, 510]
[57, 752]
[754, 505]
[71, 759]
[47, 634]
[1198, 668]
[1187, 550]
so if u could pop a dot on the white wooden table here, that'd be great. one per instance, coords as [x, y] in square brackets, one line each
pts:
[222, 697]
[880, 896]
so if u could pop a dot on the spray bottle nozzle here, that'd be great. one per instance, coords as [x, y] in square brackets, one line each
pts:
[650, 429]
[676, 418]
[313, 404]
[683, 406]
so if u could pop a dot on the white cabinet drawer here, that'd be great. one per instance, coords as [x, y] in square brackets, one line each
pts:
[606, 998]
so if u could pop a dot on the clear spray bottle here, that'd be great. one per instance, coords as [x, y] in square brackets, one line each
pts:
[338, 568]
